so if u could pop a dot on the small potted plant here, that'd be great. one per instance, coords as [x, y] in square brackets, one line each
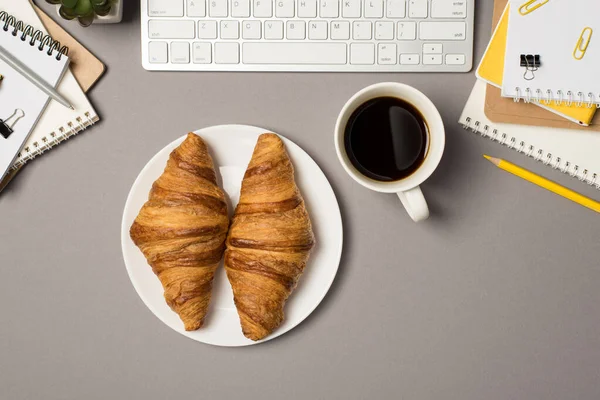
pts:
[90, 11]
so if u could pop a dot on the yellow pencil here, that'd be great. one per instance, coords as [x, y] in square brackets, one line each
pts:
[545, 183]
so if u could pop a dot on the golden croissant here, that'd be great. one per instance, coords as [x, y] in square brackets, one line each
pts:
[269, 240]
[182, 230]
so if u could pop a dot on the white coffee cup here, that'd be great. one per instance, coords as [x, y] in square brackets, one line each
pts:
[408, 189]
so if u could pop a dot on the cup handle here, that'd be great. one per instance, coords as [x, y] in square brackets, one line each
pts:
[415, 204]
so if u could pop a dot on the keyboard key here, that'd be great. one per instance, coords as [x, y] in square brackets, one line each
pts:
[455, 59]
[180, 53]
[373, 8]
[362, 53]
[329, 9]
[207, 29]
[171, 29]
[340, 30]
[384, 30]
[361, 30]
[386, 53]
[407, 30]
[417, 8]
[396, 8]
[432, 48]
[217, 8]
[196, 8]
[251, 29]
[293, 53]
[227, 53]
[240, 8]
[443, 30]
[296, 30]
[284, 8]
[230, 30]
[432, 59]
[274, 30]
[201, 53]
[262, 8]
[317, 30]
[410, 59]
[351, 8]
[307, 8]
[157, 52]
[165, 8]
[448, 9]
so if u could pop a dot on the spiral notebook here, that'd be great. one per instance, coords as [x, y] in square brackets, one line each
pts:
[573, 152]
[491, 70]
[84, 65]
[57, 123]
[566, 36]
[21, 102]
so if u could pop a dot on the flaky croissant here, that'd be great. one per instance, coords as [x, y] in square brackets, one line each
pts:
[182, 229]
[269, 240]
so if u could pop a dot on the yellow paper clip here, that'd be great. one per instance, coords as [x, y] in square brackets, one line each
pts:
[583, 43]
[531, 6]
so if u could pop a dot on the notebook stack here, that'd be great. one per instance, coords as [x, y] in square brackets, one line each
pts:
[529, 63]
[39, 124]
[537, 90]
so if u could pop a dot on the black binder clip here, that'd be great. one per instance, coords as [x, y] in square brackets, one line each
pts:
[531, 63]
[7, 125]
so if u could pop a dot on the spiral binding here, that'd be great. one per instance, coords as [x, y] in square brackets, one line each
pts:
[35, 36]
[540, 155]
[569, 98]
[54, 138]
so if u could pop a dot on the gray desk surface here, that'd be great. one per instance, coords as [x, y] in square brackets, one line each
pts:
[496, 297]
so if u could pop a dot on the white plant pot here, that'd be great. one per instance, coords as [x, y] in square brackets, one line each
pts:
[115, 16]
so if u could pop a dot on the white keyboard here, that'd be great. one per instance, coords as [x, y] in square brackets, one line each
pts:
[308, 35]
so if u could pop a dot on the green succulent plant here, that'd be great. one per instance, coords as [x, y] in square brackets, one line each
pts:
[84, 10]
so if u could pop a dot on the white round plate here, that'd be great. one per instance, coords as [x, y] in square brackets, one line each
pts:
[231, 147]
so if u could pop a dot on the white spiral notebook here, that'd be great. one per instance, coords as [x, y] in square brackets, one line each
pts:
[21, 102]
[57, 123]
[566, 36]
[573, 152]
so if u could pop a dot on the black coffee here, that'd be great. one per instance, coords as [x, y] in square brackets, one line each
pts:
[386, 139]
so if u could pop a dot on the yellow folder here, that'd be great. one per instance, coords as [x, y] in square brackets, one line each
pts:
[491, 70]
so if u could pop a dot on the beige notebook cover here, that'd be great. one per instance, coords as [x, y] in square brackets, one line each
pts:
[505, 110]
[84, 65]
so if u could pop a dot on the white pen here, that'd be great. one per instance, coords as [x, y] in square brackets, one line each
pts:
[33, 77]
